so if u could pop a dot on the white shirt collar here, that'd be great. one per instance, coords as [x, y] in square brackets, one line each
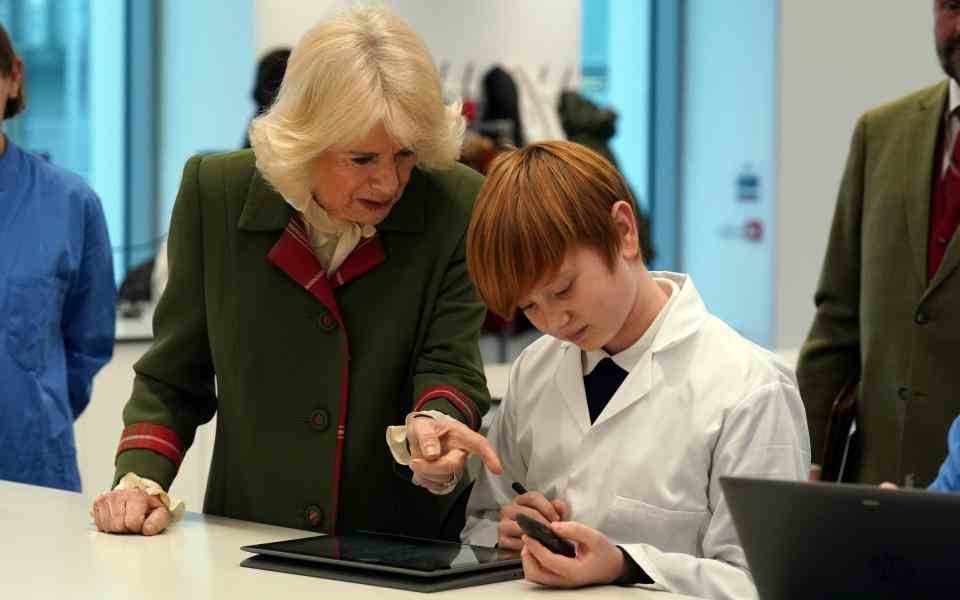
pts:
[951, 125]
[953, 100]
[628, 358]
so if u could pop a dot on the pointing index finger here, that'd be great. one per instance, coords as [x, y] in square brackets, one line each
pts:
[474, 443]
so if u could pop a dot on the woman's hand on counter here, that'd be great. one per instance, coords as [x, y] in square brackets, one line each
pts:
[130, 511]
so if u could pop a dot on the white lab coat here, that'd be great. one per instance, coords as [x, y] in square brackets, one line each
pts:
[702, 403]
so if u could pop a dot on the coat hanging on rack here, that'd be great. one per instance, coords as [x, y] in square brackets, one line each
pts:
[502, 101]
[592, 126]
[538, 106]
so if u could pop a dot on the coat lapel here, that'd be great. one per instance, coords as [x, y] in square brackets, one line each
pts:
[266, 210]
[569, 379]
[292, 255]
[917, 152]
[633, 389]
[951, 260]
[685, 318]
[367, 255]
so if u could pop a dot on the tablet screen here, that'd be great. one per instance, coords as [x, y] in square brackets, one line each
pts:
[391, 553]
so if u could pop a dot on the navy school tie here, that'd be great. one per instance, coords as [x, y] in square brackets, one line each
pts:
[601, 384]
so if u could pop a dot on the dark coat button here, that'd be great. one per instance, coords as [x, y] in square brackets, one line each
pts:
[314, 515]
[320, 419]
[904, 393]
[328, 322]
[921, 318]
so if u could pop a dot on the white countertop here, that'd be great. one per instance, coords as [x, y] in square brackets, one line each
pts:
[51, 549]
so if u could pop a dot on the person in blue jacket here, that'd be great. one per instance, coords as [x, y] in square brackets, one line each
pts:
[57, 298]
[948, 479]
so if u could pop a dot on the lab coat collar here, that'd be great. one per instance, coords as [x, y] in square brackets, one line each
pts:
[685, 318]
[628, 358]
[264, 208]
[683, 321]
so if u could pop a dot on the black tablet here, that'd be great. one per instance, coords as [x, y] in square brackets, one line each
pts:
[393, 554]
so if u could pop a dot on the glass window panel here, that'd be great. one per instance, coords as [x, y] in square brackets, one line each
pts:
[51, 37]
[74, 52]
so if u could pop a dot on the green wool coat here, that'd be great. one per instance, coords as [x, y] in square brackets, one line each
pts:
[304, 372]
[877, 312]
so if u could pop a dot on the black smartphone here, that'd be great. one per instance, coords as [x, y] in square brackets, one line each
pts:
[543, 534]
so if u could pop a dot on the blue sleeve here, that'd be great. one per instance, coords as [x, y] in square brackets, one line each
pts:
[949, 478]
[89, 315]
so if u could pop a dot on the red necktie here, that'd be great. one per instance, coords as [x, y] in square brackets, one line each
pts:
[945, 212]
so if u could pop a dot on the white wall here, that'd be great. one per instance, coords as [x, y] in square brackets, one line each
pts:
[837, 60]
[729, 122]
[529, 33]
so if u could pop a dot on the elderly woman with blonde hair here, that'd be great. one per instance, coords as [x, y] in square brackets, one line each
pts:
[318, 293]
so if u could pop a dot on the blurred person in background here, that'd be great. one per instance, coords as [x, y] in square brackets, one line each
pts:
[57, 297]
[948, 477]
[270, 71]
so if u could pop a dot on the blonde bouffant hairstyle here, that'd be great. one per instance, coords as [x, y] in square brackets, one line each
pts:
[346, 75]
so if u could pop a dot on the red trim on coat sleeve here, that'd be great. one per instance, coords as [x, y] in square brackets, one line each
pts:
[150, 436]
[455, 397]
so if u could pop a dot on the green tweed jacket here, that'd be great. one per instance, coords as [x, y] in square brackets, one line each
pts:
[304, 371]
[877, 312]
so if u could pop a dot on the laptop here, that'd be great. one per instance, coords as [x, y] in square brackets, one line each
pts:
[386, 560]
[823, 540]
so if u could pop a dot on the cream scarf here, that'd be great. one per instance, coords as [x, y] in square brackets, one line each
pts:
[332, 239]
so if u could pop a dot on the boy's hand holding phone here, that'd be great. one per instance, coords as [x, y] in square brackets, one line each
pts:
[597, 560]
[543, 534]
[536, 506]
[547, 544]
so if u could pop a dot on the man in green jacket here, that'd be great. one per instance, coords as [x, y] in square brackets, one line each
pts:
[888, 300]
